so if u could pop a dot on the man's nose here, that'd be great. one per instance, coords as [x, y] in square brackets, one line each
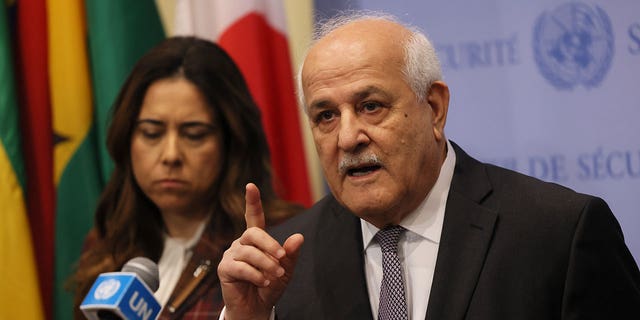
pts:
[352, 132]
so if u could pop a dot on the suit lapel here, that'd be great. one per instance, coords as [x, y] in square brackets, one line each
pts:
[466, 236]
[340, 278]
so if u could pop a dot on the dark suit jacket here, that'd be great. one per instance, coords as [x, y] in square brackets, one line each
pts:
[512, 247]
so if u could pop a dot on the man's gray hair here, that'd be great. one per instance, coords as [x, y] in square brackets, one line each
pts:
[421, 64]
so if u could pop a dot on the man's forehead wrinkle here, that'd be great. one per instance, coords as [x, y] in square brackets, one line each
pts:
[324, 79]
[366, 92]
[316, 71]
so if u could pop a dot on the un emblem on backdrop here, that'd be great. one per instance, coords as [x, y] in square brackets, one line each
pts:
[573, 45]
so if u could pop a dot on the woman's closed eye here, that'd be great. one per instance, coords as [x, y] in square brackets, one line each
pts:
[150, 129]
[197, 132]
[196, 136]
[151, 132]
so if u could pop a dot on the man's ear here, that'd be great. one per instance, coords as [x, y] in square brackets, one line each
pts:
[438, 99]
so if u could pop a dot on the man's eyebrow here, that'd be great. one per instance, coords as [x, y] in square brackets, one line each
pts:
[368, 91]
[320, 104]
[356, 96]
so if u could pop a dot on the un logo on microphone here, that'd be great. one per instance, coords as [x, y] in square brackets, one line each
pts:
[106, 289]
[573, 45]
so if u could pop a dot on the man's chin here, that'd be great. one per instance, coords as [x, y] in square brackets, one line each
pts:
[367, 209]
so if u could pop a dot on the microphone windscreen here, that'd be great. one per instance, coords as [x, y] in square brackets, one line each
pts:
[146, 269]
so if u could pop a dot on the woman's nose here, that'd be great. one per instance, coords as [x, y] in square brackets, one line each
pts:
[171, 154]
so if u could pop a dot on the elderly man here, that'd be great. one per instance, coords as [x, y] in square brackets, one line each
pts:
[414, 227]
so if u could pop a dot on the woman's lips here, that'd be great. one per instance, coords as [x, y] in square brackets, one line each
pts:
[171, 183]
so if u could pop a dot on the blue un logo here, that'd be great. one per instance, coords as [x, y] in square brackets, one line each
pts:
[573, 45]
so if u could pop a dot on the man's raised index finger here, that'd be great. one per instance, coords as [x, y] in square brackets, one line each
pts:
[253, 214]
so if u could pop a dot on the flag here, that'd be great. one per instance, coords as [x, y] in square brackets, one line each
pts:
[120, 32]
[300, 28]
[76, 166]
[18, 277]
[253, 32]
[37, 137]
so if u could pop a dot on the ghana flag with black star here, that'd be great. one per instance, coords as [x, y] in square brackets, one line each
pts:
[76, 164]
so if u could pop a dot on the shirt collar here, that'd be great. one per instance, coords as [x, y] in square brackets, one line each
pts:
[427, 219]
[187, 244]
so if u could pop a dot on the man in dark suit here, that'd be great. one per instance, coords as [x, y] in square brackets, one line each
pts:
[475, 241]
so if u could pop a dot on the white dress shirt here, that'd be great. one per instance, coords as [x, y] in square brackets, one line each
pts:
[417, 247]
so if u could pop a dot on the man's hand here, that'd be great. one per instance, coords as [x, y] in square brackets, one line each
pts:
[255, 270]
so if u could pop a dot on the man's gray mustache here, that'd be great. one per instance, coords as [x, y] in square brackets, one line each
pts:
[351, 161]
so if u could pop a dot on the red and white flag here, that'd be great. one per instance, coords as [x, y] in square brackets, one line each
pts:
[254, 34]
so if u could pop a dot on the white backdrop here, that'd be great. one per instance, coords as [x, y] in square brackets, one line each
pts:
[548, 88]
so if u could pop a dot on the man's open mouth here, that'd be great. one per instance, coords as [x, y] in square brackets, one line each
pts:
[361, 171]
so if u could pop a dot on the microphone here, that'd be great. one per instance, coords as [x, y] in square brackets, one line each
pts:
[127, 294]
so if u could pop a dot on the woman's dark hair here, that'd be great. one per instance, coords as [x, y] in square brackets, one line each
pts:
[127, 223]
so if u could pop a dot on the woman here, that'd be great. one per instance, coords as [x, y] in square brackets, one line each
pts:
[186, 138]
